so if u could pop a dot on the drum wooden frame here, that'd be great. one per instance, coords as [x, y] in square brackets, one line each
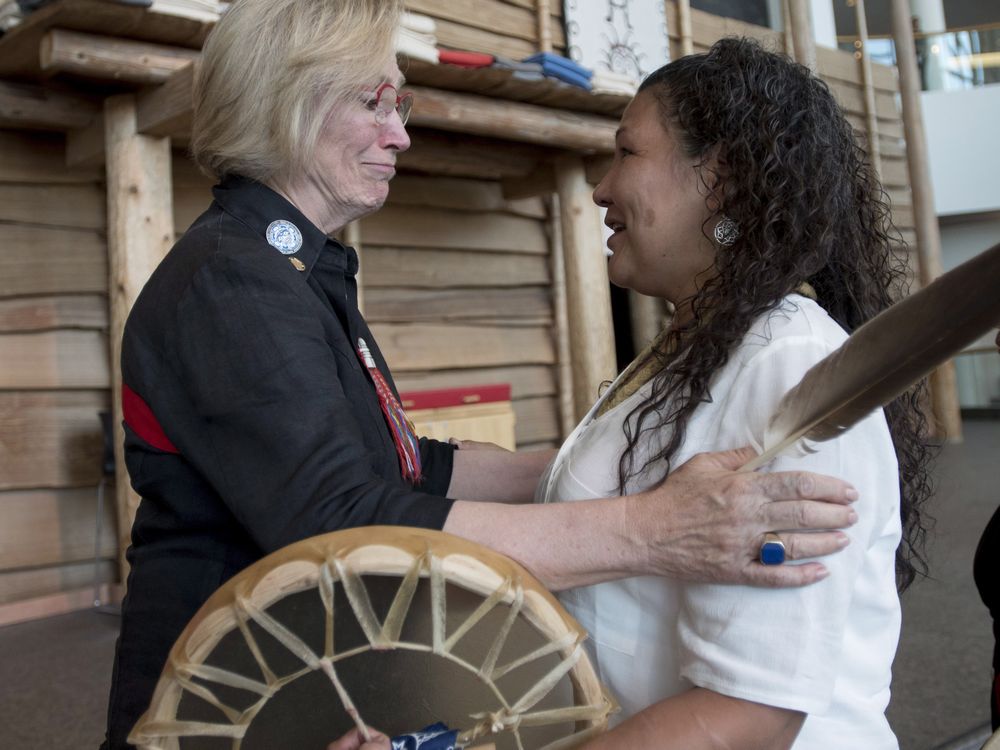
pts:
[432, 614]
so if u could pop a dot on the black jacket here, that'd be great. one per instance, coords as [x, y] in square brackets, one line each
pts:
[251, 423]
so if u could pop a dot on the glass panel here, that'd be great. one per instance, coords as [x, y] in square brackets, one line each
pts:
[950, 61]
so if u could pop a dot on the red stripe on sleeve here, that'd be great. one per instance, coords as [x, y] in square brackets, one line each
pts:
[141, 420]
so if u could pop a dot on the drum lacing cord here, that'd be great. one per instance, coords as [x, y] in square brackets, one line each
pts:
[381, 636]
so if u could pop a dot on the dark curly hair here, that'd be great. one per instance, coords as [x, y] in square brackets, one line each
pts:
[809, 208]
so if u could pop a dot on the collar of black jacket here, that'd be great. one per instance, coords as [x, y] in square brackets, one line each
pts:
[258, 206]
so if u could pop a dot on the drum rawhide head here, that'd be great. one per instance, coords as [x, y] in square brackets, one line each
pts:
[390, 627]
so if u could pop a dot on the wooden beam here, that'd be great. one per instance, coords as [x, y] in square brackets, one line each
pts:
[868, 85]
[461, 195]
[75, 261]
[140, 231]
[58, 604]
[684, 26]
[441, 269]
[19, 46]
[536, 420]
[409, 226]
[588, 300]
[500, 17]
[456, 155]
[426, 346]
[85, 147]
[54, 359]
[529, 123]
[66, 311]
[79, 206]
[110, 58]
[789, 44]
[38, 157]
[463, 36]
[54, 527]
[541, 181]
[19, 585]
[647, 316]
[27, 106]
[167, 109]
[544, 26]
[799, 21]
[403, 305]
[525, 380]
[944, 392]
[51, 438]
[564, 367]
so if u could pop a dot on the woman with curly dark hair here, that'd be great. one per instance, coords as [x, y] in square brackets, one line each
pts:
[739, 194]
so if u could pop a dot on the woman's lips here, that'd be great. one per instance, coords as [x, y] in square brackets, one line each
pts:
[385, 169]
[615, 235]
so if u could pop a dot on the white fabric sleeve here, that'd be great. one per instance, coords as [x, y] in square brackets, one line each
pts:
[781, 647]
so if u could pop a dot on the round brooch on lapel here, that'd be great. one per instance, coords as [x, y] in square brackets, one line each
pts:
[284, 236]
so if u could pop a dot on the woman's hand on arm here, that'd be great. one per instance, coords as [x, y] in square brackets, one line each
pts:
[702, 719]
[704, 523]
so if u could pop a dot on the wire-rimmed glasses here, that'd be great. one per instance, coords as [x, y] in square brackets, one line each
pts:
[387, 100]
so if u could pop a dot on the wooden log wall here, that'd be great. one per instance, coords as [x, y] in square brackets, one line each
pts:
[458, 291]
[498, 27]
[54, 374]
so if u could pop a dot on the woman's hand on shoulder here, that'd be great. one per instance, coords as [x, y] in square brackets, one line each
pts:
[706, 522]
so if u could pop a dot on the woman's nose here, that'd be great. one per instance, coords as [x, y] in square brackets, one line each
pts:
[602, 197]
[394, 133]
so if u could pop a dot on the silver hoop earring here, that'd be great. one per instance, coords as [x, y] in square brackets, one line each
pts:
[727, 231]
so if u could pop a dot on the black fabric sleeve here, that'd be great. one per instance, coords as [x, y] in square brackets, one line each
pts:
[273, 430]
[436, 461]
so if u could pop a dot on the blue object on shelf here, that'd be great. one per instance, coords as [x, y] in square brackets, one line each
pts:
[562, 68]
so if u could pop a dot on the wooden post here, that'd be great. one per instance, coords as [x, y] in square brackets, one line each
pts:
[684, 26]
[944, 395]
[567, 412]
[588, 300]
[544, 26]
[512, 121]
[868, 84]
[140, 231]
[786, 16]
[647, 316]
[803, 41]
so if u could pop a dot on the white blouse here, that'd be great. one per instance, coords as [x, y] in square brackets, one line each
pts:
[825, 649]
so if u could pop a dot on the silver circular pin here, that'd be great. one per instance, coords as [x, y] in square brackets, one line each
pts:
[284, 236]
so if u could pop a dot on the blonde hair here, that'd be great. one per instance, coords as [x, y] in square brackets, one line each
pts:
[272, 70]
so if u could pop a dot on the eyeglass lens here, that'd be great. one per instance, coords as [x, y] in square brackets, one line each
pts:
[389, 100]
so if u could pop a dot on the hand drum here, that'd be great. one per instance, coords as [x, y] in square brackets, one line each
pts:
[392, 627]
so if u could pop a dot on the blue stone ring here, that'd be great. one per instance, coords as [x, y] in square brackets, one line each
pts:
[772, 551]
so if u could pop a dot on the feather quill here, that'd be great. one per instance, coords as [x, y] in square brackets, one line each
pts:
[887, 355]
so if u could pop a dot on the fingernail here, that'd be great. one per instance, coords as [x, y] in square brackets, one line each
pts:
[852, 494]
[822, 573]
[852, 517]
[843, 540]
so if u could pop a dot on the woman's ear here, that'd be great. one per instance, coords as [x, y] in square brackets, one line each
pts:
[715, 171]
